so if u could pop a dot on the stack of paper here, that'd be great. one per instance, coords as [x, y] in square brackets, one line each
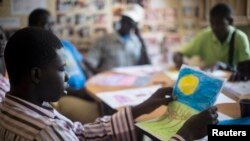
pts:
[237, 89]
[128, 97]
[116, 79]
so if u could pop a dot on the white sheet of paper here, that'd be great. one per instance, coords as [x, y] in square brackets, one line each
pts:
[128, 97]
[142, 70]
[223, 99]
[237, 88]
[219, 74]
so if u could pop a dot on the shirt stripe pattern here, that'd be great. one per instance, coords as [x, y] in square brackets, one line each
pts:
[21, 120]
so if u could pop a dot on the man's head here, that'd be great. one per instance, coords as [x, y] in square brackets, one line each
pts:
[35, 64]
[41, 18]
[126, 25]
[131, 16]
[220, 19]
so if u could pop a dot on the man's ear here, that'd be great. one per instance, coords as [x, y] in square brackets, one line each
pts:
[230, 20]
[36, 75]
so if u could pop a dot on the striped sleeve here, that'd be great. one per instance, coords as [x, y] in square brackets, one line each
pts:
[123, 125]
[120, 127]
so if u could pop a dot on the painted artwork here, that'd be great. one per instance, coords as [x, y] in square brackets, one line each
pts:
[195, 91]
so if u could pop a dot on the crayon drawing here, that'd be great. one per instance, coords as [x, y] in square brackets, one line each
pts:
[195, 91]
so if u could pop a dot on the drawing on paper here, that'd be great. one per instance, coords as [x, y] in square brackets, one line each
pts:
[195, 91]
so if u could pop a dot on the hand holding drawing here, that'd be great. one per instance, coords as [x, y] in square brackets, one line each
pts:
[193, 96]
[161, 97]
[196, 126]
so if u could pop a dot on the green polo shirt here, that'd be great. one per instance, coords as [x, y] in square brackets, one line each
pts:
[211, 50]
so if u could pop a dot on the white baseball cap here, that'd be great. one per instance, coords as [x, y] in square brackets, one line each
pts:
[134, 11]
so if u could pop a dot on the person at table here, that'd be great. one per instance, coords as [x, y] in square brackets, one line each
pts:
[77, 94]
[41, 80]
[220, 42]
[124, 47]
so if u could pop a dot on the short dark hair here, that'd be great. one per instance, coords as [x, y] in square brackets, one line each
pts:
[27, 48]
[38, 17]
[221, 9]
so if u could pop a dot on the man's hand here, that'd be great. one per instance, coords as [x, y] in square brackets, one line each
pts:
[161, 97]
[196, 126]
[178, 60]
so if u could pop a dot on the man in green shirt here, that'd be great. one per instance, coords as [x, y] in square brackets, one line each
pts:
[212, 44]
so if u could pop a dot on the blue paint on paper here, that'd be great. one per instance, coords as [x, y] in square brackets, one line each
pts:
[206, 92]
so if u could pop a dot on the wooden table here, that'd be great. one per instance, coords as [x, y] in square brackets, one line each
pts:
[230, 109]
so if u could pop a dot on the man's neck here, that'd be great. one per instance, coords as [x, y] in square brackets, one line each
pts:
[224, 38]
[26, 96]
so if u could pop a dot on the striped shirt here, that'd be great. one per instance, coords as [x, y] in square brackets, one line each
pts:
[21, 120]
[4, 87]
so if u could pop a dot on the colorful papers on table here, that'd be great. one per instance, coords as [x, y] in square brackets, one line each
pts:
[195, 91]
[141, 70]
[128, 97]
[116, 79]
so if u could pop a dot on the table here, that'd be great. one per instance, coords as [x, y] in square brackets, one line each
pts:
[230, 109]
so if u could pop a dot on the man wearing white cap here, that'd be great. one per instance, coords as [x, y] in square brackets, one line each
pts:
[124, 47]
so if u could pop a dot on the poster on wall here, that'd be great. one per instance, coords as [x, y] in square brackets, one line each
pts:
[24, 7]
[10, 22]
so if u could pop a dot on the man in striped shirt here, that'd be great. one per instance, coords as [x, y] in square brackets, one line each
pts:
[34, 61]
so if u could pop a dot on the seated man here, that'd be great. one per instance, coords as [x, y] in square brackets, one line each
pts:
[75, 67]
[124, 47]
[36, 66]
[221, 42]
[75, 63]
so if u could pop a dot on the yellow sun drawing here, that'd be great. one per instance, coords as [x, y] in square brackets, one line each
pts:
[188, 84]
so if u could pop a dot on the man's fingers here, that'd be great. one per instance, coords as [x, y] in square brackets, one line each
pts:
[212, 110]
[165, 91]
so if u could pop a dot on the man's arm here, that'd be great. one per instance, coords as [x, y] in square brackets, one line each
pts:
[121, 125]
[242, 44]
